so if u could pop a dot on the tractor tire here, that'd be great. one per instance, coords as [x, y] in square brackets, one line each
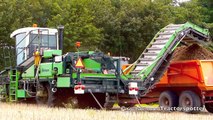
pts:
[85, 101]
[168, 100]
[209, 107]
[72, 102]
[190, 102]
[109, 101]
[45, 96]
[108, 106]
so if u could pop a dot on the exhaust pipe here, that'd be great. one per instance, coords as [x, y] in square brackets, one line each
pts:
[60, 36]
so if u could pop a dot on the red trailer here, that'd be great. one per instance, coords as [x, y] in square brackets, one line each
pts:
[186, 85]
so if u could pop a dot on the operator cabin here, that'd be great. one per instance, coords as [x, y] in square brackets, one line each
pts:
[31, 38]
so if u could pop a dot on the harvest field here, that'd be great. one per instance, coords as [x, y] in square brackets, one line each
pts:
[34, 112]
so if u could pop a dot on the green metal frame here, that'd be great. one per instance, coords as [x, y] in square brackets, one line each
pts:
[14, 77]
[149, 69]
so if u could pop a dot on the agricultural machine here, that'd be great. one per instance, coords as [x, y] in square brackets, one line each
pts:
[87, 78]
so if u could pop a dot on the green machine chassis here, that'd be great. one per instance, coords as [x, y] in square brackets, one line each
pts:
[21, 82]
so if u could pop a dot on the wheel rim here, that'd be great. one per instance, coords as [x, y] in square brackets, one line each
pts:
[187, 102]
[165, 102]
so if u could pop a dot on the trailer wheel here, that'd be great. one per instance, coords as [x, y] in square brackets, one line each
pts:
[190, 102]
[45, 96]
[209, 107]
[168, 100]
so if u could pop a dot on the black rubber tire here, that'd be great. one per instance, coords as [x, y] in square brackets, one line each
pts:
[49, 100]
[108, 105]
[86, 101]
[168, 100]
[190, 102]
[72, 102]
[209, 107]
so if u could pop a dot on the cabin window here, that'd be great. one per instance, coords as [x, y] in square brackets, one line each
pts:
[20, 47]
[45, 41]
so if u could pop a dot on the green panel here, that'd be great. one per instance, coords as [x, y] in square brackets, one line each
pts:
[204, 31]
[63, 82]
[90, 64]
[51, 53]
[46, 70]
[29, 73]
[21, 94]
[99, 75]
[59, 66]
[13, 87]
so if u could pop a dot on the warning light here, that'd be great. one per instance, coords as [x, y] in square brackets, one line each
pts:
[35, 25]
[79, 63]
[78, 44]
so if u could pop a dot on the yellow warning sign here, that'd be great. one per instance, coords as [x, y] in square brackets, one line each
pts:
[79, 63]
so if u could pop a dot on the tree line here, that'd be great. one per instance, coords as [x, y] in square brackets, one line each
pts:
[121, 27]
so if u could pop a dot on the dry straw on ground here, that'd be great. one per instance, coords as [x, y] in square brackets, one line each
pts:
[33, 112]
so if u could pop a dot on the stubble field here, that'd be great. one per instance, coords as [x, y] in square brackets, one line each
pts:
[34, 112]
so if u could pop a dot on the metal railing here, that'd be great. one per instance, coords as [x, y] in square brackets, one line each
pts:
[39, 38]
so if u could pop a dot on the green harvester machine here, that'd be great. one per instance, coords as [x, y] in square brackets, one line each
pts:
[44, 75]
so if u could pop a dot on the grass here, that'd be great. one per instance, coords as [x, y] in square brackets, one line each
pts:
[34, 112]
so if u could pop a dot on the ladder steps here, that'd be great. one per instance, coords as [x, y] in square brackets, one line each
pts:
[174, 26]
[166, 33]
[172, 30]
[135, 71]
[153, 48]
[142, 64]
[13, 86]
[158, 43]
[162, 38]
[146, 59]
[139, 68]
[150, 54]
